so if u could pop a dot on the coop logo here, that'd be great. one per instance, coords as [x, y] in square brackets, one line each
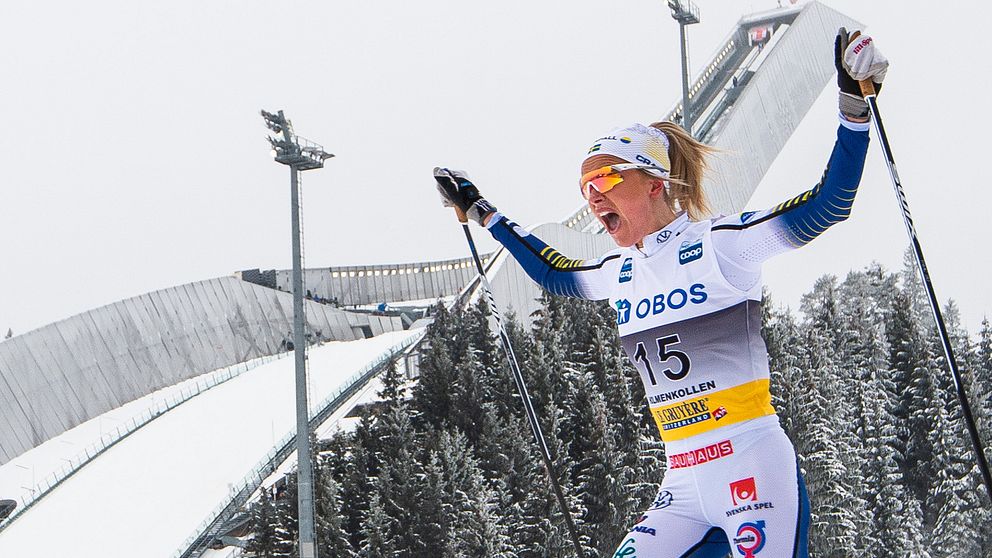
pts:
[750, 538]
[627, 270]
[743, 491]
[690, 251]
[623, 311]
[674, 300]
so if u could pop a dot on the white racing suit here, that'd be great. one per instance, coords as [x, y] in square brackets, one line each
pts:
[688, 306]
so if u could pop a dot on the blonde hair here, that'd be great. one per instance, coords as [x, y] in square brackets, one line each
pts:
[688, 158]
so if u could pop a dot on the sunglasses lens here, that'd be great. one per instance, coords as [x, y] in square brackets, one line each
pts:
[603, 180]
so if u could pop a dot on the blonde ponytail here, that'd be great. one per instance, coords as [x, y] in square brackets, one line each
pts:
[688, 158]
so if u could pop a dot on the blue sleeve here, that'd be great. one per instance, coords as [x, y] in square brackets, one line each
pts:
[554, 272]
[749, 238]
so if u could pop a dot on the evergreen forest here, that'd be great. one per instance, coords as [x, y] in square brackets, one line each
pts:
[446, 465]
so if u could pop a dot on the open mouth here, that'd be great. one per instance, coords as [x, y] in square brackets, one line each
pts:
[611, 221]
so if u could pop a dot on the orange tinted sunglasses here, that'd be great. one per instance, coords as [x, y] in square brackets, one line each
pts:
[607, 178]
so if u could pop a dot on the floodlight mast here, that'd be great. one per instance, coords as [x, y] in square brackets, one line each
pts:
[686, 13]
[299, 154]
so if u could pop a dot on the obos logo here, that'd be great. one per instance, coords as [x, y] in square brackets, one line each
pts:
[627, 270]
[750, 538]
[690, 251]
[623, 311]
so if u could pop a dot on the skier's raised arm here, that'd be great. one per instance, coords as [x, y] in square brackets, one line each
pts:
[747, 239]
[551, 270]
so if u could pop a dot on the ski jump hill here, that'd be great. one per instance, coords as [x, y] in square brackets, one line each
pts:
[154, 358]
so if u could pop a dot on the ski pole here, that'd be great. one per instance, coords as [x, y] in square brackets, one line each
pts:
[868, 92]
[518, 378]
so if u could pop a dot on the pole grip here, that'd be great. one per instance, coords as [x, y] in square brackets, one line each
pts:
[867, 87]
[462, 218]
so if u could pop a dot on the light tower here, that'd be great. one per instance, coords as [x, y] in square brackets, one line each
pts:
[686, 13]
[299, 154]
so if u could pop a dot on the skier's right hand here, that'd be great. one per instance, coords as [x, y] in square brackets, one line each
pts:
[458, 191]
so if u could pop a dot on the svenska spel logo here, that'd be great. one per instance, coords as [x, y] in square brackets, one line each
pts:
[626, 270]
[750, 538]
[743, 490]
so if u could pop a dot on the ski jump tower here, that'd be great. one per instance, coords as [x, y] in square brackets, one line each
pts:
[747, 101]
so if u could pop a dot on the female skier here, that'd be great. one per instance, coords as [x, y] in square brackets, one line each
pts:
[687, 292]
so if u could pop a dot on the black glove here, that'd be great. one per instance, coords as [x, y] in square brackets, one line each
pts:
[458, 191]
[869, 62]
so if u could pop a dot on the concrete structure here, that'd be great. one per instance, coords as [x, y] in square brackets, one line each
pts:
[749, 98]
[55, 377]
[747, 102]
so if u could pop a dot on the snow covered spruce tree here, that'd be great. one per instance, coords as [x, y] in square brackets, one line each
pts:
[858, 381]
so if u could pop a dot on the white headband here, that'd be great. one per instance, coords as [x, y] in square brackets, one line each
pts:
[636, 143]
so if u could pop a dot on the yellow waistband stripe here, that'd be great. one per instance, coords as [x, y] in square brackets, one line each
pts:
[715, 409]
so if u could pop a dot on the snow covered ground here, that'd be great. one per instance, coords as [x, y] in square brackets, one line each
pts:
[144, 496]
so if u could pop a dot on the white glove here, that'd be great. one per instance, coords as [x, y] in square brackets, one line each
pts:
[863, 60]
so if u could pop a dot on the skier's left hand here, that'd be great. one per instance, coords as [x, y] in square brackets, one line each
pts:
[857, 59]
[458, 191]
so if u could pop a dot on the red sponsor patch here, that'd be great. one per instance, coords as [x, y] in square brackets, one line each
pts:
[743, 491]
[701, 455]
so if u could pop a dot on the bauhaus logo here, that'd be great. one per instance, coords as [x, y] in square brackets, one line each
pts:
[690, 251]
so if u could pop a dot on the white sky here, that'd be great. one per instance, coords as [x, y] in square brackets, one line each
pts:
[133, 157]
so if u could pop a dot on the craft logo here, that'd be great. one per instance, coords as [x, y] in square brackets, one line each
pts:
[746, 216]
[642, 159]
[690, 251]
[623, 311]
[750, 538]
[663, 236]
[661, 501]
[743, 491]
[701, 455]
[627, 270]
[720, 412]
[624, 140]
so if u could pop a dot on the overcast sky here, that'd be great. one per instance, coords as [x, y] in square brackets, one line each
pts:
[133, 157]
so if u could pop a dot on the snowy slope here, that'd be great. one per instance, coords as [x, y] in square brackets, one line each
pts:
[145, 495]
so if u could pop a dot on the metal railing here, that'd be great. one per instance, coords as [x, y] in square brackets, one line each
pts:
[242, 491]
[111, 438]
